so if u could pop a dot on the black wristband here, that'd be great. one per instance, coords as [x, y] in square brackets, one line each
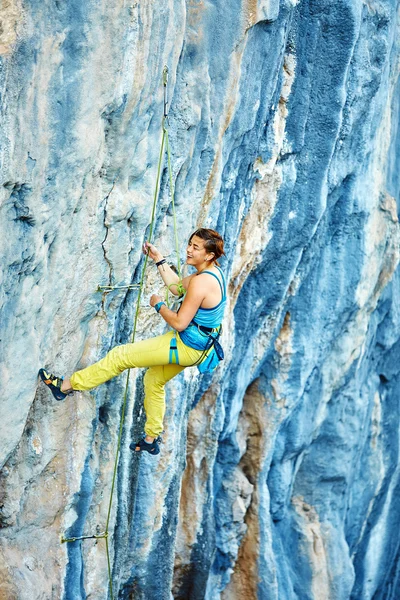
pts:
[160, 262]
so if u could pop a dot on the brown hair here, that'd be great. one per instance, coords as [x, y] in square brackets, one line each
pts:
[213, 242]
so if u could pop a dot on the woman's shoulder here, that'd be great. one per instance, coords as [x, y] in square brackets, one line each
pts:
[186, 280]
[210, 279]
[206, 278]
[213, 274]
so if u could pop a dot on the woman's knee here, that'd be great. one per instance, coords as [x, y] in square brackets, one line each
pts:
[116, 358]
[154, 377]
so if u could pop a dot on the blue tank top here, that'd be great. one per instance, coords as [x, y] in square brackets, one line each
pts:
[206, 317]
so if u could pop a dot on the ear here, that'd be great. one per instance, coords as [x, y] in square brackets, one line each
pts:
[210, 257]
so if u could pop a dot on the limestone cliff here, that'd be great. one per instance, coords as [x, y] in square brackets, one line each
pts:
[279, 475]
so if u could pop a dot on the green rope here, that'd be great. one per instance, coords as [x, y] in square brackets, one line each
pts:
[124, 403]
[171, 186]
[181, 290]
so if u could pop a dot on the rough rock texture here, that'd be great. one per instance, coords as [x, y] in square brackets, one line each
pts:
[283, 480]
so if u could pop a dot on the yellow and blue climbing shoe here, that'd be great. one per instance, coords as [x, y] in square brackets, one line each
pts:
[53, 383]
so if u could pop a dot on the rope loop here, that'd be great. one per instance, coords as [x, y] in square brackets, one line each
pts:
[180, 289]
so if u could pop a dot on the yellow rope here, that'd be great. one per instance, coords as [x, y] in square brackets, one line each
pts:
[164, 142]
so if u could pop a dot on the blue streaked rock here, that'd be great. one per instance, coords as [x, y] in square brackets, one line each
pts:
[278, 477]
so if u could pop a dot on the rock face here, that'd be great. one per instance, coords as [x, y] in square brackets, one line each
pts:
[279, 475]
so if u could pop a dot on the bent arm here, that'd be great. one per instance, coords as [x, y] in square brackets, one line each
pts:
[169, 277]
[190, 305]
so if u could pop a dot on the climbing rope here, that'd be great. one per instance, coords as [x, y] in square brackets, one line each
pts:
[164, 144]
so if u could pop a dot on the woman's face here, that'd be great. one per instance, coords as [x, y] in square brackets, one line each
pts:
[196, 254]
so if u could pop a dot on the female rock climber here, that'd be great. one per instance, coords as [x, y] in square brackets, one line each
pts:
[198, 318]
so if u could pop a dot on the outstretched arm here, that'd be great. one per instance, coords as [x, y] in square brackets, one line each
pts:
[192, 301]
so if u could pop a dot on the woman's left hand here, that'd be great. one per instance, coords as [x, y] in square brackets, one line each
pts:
[154, 299]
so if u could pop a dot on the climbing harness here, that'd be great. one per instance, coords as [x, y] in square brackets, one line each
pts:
[214, 356]
[173, 352]
[164, 144]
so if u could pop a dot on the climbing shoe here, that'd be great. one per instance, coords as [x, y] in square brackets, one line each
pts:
[53, 383]
[152, 448]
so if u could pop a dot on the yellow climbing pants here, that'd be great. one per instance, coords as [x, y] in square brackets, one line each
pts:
[154, 353]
